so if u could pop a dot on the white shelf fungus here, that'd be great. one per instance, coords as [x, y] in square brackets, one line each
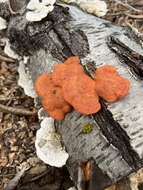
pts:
[3, 1]
[96, 7]
[72, 188]
[38, 10]
[25, 80]
[8, 51]
[48, 144]
[3, 24]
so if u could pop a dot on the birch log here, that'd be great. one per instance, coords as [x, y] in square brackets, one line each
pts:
[115, 145]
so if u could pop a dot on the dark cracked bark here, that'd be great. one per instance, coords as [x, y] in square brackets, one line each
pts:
[115, 145]
[52, 34]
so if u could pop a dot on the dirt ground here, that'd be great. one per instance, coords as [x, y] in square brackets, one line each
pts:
[17, 132]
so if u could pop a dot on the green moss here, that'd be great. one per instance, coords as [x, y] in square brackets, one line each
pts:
[87, 128]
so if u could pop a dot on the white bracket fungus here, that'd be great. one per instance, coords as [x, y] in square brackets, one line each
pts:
[3, 24]
[42, 114]
[37, 10]
[25, 80]
[48, 144]
[95, 7]
[72, 188]
[8, 51]
[3, 1]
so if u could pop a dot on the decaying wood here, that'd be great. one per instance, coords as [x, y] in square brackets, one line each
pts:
[115, 146]
[4, 10]
[53, 35]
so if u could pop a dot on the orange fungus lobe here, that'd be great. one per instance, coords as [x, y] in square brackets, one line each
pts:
[109, 84]
[68, 86]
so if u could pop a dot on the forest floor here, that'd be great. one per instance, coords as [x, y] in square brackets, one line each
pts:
[17, 132]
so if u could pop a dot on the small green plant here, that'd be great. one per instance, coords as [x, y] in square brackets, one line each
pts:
[87, 128]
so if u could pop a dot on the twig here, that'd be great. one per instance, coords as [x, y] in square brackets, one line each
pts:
[132, 27]
[17, 111]
[127, 6]
[134, 16]
[11, 98]
[37, 177]
[135, 30]
[6, 175]
[115, 14]
[14, 182]
[6, 59]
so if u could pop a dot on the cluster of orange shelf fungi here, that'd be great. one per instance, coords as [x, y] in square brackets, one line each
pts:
[68, 86]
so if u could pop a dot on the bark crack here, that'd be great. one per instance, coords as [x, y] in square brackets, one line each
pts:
[112, 130]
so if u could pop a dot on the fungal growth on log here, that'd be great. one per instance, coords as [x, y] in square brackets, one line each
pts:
[52, 98]
[70, 68]
[96, 7]
[37, 10]
[3, 24]
[79, 91]
[109, 84]
[48, 146]
[102, 141]
[69, 86]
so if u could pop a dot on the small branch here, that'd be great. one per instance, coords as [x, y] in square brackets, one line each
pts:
[14, 182]
[3, 99]
[16, 111]
[127, 6]
[6, 59]
[6, 175]
[134, 16]
[37, 177]
[116, 14]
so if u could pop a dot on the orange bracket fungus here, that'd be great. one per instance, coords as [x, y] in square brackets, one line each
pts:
[68, 86]
[109, 84]
[70, 68]
[43, 84]
[79, 91]
[52, 98]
